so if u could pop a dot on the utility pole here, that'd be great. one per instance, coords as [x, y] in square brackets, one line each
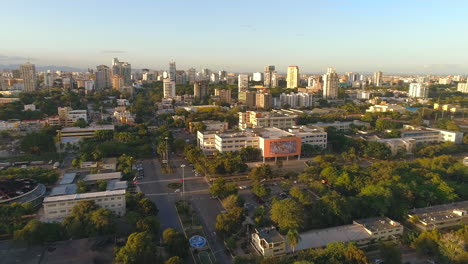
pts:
[167, 151]
[183, 181]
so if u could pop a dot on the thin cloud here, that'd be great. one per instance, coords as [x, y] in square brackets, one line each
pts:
[113, 51]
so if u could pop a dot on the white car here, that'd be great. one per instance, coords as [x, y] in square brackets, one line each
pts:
[242, 187]
[177, 191]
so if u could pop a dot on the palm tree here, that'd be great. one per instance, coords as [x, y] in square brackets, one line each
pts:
[293, 238]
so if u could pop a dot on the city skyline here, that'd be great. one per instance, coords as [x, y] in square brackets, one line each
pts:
[362, 36]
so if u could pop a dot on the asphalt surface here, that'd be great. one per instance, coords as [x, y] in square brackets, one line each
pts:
[154, 185]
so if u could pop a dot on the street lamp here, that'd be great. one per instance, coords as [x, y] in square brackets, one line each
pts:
[167, 151]
[183, 181]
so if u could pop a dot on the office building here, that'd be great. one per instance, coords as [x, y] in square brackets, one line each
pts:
[330, 84]
[214, 77]
[378, 78]
[445, 81]
[172, 71]
[257, 77]
[264, 100]
[223, 95]
[205, 74]
[243, 82]
[255, 119]
[48, 79]
[462, 87]
[56, 208]
[418, 90]
[74, 134]
[292, 78]
[200, 89]
[382, 108]
[268, 242]
[67, 116]
[28, 73]
[191, 75]
[122, 69]
[431, 135]
[89, 85]
[103, 74]
[117, 82]
[440, 216]
[169, 88]
[268, 76]
[247, 98]
[311, 135]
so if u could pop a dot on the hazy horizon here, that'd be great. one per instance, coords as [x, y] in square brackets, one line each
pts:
[413, 37]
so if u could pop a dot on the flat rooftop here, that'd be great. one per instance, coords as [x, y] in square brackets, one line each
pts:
[271, 235]
[439, 212]
[103, 176]
[81, 196]
[67, 178]
[375, 224]
[66, 189]
[90, 128]
[273, 132]
[322, 237]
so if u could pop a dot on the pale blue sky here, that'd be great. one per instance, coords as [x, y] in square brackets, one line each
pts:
[350, 35]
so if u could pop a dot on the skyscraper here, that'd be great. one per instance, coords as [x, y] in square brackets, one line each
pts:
[378, 78]
[257, 76]
[192, 75]
[418, 90]
[292, 78]
[200, 89]
[103, 74]
[122, 69]
[264, 100]
[169, 88]
[172, 71]
[268, 75]
[330, 84]
[48, 79]
[222, 76]
[28, 73]
[243, 82]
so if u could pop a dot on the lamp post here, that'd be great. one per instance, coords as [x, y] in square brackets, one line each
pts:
[167, 151]
[183, 181]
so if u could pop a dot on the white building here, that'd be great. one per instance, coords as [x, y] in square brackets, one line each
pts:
[169, 88]
[418, 90]
[341, 126]
[440, 216]
[257, 76]
[297, 100]
[56, 208]
[386, 108]
[445, 81]
[89, 85]
[315, 136]
[462, 87]
[432, 135]
[330, 84]
[235, 141]
[243, 82]
[363, 95]
[292, 78]
[378, 78]
[253, 119]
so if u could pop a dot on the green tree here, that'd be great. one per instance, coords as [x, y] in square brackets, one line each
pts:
[301, 196]
[377, 150]
[176, 243]
[148, 224]
[36, 143]
[427, 242]
[262, 172]
[287, 214]
[82, 186]
[36, 232]
[222, 189]
[232, 201]
[138, 249]
[230, 222]
[249, 154]
[293, 238]
[80, 123]
[101, 185]
[390, 253]
[260, 190]
[174, 260]
[103, 135]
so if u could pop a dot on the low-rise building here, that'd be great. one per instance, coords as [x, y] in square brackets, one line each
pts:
[278, 119]
[315, 136]
[56, 208]
[383, 108]
[74, 134]
[268, 242]
[342, 126]
[440, 216]
[432, 135]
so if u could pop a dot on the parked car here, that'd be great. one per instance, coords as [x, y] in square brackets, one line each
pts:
[177, 191]
[243, 187]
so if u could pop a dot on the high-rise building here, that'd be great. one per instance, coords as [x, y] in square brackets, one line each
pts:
[243, 82]
[292, 78]
[274, 80]
[205, 74]
[200, 89]
[352, 77]
[191, 75]
[247, 98]
[222, 76]
[268, 75]
[169, 88]
[214, 78]
[257, 77]
[117, 82]
[378, 78]
[172, 71]
[122, 69]
[264, 100]
[463, 87]
[48, 79]
[103, 74]
[418, 90]
[28, 73]
[224, 95]
[330, 84]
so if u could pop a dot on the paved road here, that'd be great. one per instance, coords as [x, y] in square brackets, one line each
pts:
[154, 185]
